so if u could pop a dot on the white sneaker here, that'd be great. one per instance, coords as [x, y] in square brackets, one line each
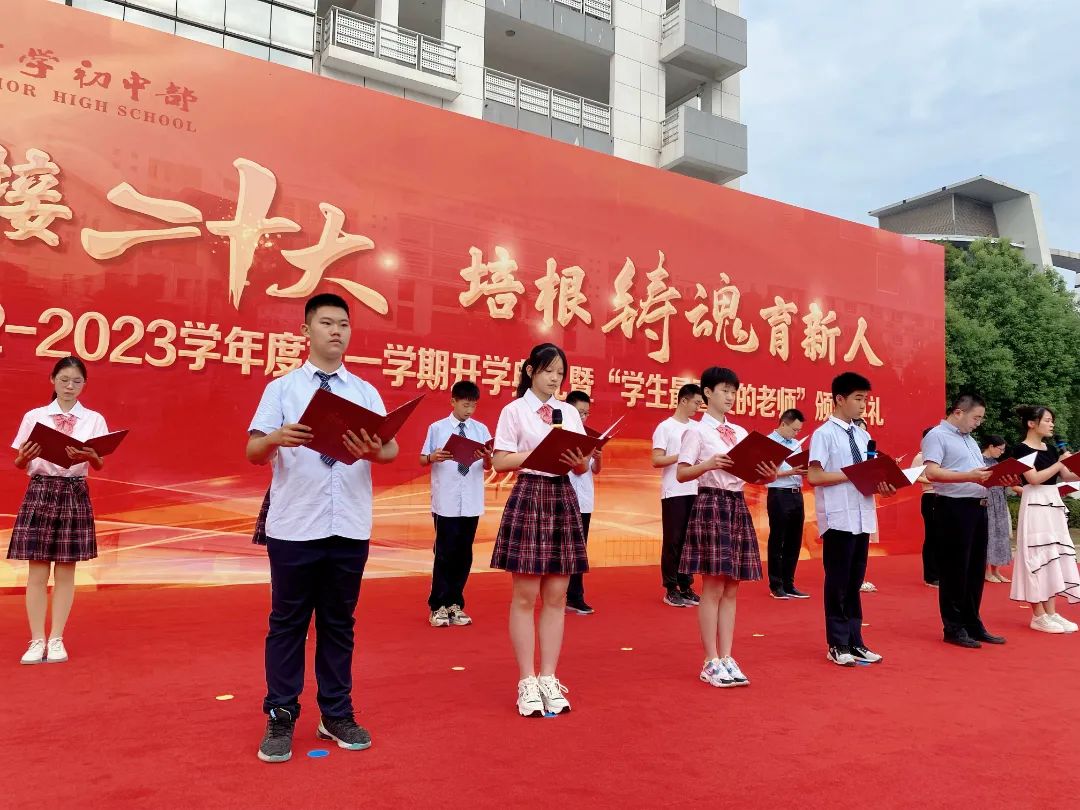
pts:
[734, 671]
[716, 674]
[34, 653]
[529, 702]
[841, 657]
[57, 654]
[458, 617]
[1066, 625]
[1044, 624]
[439, 618]
[551, 692]
[868, 587]
[865, 654]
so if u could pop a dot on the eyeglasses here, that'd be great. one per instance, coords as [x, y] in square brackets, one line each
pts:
[78, 382]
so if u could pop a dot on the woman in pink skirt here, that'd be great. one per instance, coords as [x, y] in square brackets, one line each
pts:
[55, 525]
[1045, 555]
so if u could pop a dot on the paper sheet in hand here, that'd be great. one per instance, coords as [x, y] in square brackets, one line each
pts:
[330, 417]
[54, 444]
[1010, 466]
[463, 449]
[753, 450]
[867, 475]
[545, 457]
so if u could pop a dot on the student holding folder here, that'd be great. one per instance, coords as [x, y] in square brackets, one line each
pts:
[55, 525]
[541, 541]
[318, 527]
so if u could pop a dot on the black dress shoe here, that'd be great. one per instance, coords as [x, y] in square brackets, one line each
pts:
[962, 640]
[988, 637]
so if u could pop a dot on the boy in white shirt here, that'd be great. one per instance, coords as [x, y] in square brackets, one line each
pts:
[457, 502]
[584, 489]
[676, 498]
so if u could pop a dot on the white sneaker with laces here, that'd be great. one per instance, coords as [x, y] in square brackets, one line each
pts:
[57, 653]
[35, 653]
[439, 618]
[868, 587]
[841, 657]
[529, 702]
[551, 692]
[734, 671]
[1044, 624]
[1066, 625]
[458, 617]
[714, 673]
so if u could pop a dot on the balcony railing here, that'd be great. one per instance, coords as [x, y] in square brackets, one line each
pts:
[669, 22]
[671, 128]
[600, 9]
[373, 37]
[544, 100]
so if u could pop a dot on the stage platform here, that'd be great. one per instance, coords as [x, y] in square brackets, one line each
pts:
[136, 719]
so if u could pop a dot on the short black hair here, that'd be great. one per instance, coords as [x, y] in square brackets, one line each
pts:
[791, 415]
[689, 391]
[993, 440]
[577, 396]
[846, 384]
[467, 390]
[316, 302]
[717, 375]
[965, 402]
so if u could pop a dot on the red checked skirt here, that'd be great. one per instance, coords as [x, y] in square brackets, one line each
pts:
[259, 536]
[55, 522]
[541, 529]
[720, 537]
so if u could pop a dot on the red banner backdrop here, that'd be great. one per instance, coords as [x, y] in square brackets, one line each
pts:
[166, 208]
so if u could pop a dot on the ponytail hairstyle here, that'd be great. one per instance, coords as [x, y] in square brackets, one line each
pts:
[714, 376]
[540, 359]
[1031, 413]
[66, 362]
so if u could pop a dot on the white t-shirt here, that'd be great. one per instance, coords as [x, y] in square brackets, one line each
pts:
[521, 429]
[668, 438]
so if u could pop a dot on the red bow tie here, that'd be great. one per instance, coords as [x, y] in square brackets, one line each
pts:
[65, 423]
[726, 433]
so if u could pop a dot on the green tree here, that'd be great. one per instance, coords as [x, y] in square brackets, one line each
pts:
[1012, 333]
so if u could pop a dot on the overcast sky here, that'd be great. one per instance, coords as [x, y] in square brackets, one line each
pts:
[854, 105]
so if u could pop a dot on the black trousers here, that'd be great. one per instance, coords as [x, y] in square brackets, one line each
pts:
[674, 515]
[786, 516]
[844, 557]
[931, 544]
[961, 525]
[453, 560]
[575, 591]
[320, 576]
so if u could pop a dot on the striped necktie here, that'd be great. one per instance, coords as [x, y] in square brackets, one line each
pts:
[462, 468]
[324, 384]
[856, 454]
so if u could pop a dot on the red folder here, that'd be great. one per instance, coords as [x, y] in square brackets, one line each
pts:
[866, 475]
[545, 456]
[54, 444]
[800, 459]
[463, 449]
[607, 435]
[330, 417]
[1008, 466]
[1072, 464]
[1065, 490]
[753, 450]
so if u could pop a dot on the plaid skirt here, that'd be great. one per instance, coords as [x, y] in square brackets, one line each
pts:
[541, 532]
[259, 536]
[720, 537]
[55, 522]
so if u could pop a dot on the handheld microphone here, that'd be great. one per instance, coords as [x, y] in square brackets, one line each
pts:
[871, 449]
[556, 418]
[1060, 444]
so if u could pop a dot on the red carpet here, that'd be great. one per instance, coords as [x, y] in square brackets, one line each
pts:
[132, 719]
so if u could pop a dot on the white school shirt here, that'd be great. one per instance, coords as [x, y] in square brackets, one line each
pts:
[668, 438]
[521, 429]
[585, 489]
[703, 441]
[454, 494]
[310, 500]
[841, 506]
[788, 481]
[88, 425]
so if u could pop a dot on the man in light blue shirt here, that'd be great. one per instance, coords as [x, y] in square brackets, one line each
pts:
[318, 528]
[457, 502]
[784, 504]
